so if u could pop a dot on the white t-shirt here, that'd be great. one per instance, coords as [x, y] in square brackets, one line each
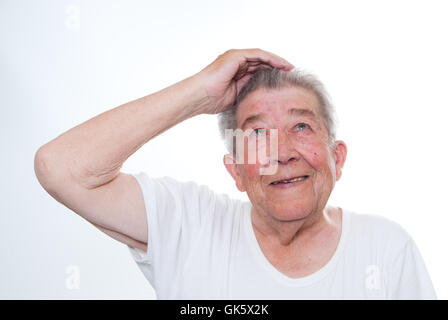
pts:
[201, 245]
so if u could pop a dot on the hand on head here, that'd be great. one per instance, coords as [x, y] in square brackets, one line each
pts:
[225, 76]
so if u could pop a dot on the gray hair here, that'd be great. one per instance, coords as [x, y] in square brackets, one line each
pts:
[269, 78]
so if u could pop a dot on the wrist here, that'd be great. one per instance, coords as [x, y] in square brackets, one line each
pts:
[200, 99]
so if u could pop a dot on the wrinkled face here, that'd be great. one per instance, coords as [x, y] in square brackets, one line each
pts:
[307, 165]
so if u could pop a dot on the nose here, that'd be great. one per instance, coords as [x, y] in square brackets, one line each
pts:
[287, 151]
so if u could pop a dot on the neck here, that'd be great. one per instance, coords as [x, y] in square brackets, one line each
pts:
[287, 233]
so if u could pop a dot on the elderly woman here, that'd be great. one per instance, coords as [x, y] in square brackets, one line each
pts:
[190, 242]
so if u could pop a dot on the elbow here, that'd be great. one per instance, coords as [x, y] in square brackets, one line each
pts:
[45, 167]
[40, 164]
[51, 172]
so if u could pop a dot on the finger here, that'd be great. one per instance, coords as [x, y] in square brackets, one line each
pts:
[244, 78]
[255, 67]
[251, 67]
[246, 67]
[241, 71]
[272, 64]
[241, 82]
[254, 55]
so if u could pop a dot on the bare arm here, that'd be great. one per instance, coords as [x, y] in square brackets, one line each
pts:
[92, 153]
[81, 167]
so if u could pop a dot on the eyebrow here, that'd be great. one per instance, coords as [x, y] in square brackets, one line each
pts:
[292, 112]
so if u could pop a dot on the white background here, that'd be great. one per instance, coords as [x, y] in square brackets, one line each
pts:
[383, 62]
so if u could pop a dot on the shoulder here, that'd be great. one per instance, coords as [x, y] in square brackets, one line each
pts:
[168, 187]
[378, 229]
[185, 194]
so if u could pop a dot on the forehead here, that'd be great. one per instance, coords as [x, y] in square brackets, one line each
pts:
[275, 103]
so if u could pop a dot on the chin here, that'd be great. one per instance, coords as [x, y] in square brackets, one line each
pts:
[291, 212]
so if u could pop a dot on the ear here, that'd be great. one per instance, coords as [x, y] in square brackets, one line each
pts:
[339, 154]
[232, 168]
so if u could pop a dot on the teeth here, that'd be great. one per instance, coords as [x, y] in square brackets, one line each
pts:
[292, 180]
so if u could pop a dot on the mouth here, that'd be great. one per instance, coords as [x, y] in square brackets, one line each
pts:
[289, 182]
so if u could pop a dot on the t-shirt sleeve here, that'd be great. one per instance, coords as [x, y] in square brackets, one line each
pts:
[410, 277]
[175, 212]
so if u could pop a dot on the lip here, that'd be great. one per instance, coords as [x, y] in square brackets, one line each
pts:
[289, 185]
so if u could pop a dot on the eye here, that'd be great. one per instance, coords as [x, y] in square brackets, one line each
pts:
[259, 131]
[302, 126]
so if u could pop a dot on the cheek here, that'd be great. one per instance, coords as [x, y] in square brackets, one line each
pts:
[314, 155]
[319, 159]
[250, 173]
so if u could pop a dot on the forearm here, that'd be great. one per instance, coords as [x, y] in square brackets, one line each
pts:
[93, 152]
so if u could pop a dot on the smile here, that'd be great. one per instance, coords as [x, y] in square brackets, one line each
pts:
[289, 181]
